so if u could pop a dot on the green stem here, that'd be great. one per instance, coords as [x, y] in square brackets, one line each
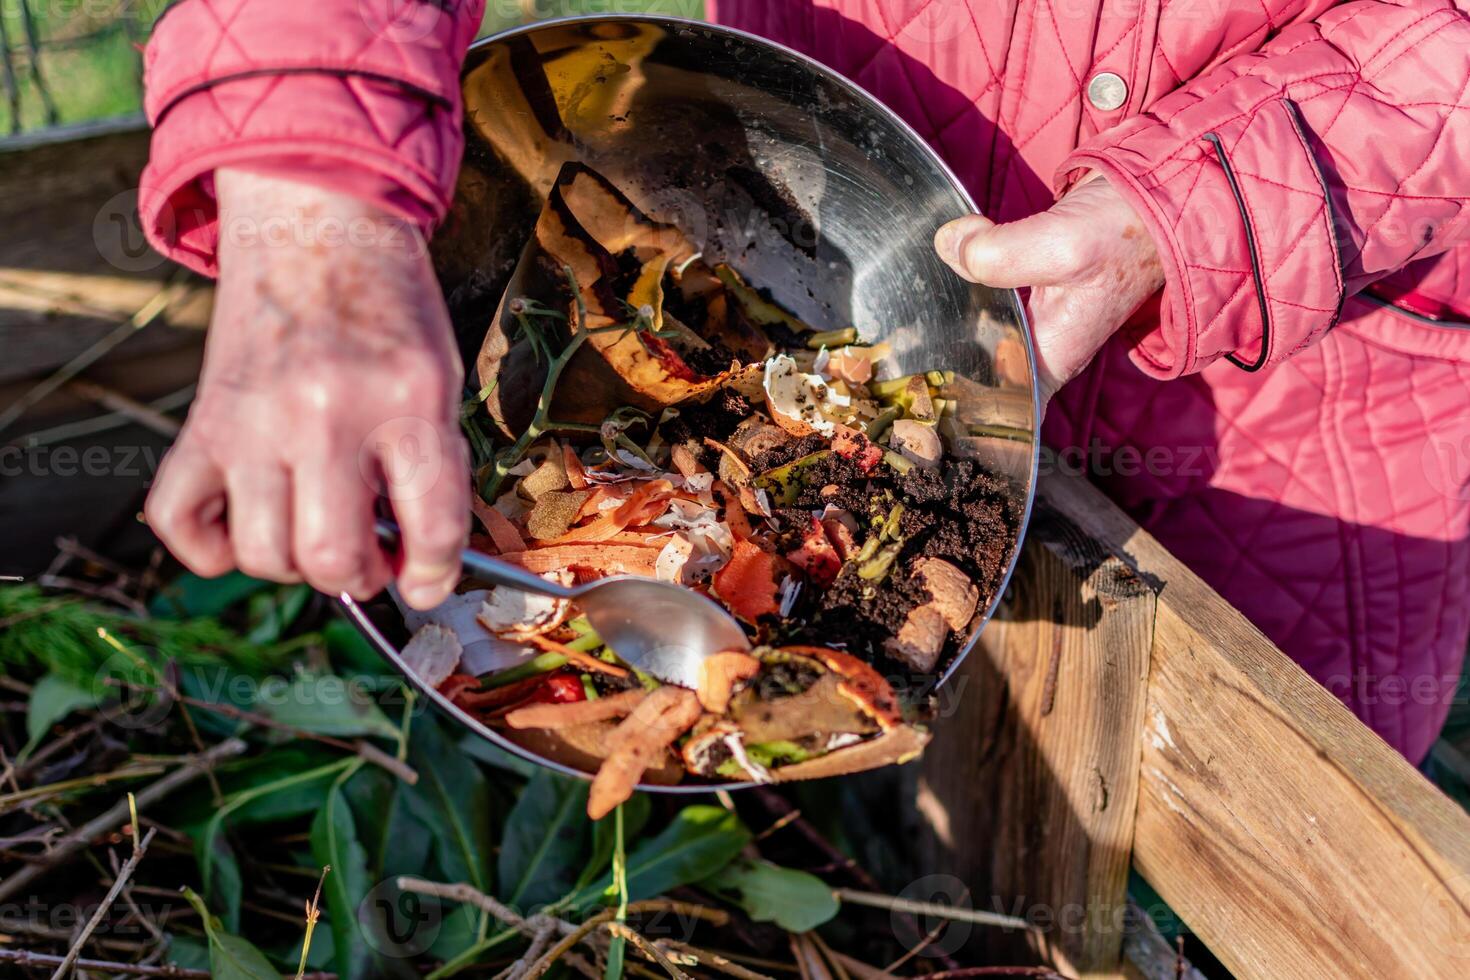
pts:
[539, 425]
[617, 947]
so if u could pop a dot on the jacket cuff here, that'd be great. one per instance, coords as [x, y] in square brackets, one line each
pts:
[1243, 222]
[370, 107]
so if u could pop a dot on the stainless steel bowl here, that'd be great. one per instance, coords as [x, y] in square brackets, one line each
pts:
[793, 174]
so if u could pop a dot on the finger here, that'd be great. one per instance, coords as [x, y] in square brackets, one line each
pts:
[1034, 251]
[332, 540]
[186, 509]
[432, 505]
[260, 521]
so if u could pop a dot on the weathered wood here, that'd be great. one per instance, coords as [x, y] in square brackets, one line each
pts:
[73, 260]
[1030, 785]
[1291, 839]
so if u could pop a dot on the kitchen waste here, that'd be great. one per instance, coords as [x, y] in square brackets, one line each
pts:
[654, 413]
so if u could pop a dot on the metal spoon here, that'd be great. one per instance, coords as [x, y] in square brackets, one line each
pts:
[661, 628]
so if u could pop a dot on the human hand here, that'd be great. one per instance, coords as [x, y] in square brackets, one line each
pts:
[330, 377]
[1089, 261]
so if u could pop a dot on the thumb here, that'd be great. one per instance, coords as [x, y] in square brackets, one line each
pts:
[1034, 251]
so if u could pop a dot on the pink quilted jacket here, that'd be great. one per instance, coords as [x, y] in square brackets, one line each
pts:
[1302, 443]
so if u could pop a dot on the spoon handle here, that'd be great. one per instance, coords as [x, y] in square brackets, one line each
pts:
[490, 569]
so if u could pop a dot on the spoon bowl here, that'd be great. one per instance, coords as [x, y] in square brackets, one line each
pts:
[660, 628]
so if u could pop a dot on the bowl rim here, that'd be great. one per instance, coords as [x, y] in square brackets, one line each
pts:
[359, 617]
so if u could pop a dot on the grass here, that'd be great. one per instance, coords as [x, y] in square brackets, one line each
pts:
[91, 70]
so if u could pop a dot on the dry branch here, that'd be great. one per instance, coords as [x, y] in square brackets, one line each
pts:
[124, 873]
[79, 839]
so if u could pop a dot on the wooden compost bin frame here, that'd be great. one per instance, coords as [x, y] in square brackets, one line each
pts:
[1118, 711]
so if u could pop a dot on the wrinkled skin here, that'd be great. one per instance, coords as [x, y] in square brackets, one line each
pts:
[330, 380]
[1089, 261]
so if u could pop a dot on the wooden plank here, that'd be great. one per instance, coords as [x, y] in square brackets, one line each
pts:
[73, 260]
[1291, 839]
[1028, 790]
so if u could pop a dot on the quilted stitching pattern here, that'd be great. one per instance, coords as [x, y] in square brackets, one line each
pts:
[227, 81]
[1302, 493]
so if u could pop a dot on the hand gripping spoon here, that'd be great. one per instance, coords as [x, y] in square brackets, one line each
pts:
[662, 629]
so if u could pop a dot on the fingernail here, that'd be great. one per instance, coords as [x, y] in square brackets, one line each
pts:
[945, 241]
[424, 597]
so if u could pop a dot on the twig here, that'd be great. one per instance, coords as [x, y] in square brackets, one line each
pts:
[9, 924]
[79, 839]
[360, 747]
[917, 948]
[714, 961]
[110, 398]
[647, 948]
[155, 307]
[100, 423]
[569, 940]
[776, 804]
[378, 757]
[81, 782]
[470, 895]
[861, 970]
[533, 952]
[313, 914]
[896, 904]
[24, 957]
[1044, 972]
[140, 848]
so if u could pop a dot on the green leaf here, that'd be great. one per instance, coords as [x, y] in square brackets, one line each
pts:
[189, 595]
[397, 843]
[699, 841]
[323, 948]
[218, 871]
[189, 952]
[493, 755]
[52, 699]
[323, 704]
[351, 651]
[636, 811]
[452, 799]
[273, 612]
[546, 836]
[334, 843]
[794, 900]
[230, 957]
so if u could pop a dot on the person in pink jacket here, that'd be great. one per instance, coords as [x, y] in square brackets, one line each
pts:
[1242, 224]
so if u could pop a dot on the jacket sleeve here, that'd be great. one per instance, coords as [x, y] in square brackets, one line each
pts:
[361, 96]
[1281, 182]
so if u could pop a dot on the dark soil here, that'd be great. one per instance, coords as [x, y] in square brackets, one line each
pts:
[710, 361]
[957, 513]
[715, 419]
